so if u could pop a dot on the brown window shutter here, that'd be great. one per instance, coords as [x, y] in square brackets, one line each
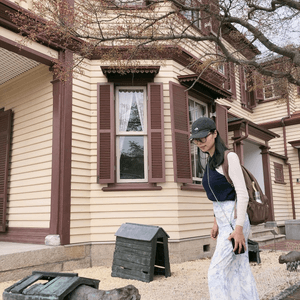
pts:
[222, 122]
[232, 79]
[5, 138]
[227, 84]
[251, 99]
[106, 133]
[156, 153]
[180, 133]
[258, 89]
[242, 86]
[278, 170]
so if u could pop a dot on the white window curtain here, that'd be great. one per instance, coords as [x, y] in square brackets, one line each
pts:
[125, 103]
[139, 97]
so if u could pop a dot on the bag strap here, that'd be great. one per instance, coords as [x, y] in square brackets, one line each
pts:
[225, 166]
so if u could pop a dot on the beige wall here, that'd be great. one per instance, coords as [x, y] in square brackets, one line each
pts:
[31, 157]
[269, 111]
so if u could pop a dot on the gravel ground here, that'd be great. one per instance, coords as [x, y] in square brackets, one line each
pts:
[188, 280]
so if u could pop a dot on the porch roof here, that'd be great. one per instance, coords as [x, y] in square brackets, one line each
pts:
[295, 144]
[122, 71]
[235, 123]
[206, 86]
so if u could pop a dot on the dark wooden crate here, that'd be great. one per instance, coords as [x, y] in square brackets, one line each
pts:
[141, 252]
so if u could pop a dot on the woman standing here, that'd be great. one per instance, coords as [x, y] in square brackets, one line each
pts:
[229, 274]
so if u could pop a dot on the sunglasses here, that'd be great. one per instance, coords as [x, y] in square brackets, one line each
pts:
[201, 140]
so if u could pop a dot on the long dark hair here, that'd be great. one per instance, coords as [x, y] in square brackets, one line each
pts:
[218, 158]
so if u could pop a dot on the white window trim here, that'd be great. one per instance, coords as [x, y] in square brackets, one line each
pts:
[130, 133]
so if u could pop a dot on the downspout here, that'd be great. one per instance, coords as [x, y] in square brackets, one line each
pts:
[242, 137]
[289, 166]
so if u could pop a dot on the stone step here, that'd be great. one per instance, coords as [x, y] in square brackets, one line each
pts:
[258, 227]
[269, 239]
[262, 232]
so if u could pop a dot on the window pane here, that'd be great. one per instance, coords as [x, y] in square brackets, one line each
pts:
[268, 92]
[132, 157]
[131, 110]
[196, 110]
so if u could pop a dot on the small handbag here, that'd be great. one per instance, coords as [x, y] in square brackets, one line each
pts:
[232, 240]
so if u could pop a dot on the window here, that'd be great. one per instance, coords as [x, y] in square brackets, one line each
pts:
[271, 88]
[131, 134]
[182, 113]
[196, 110]
[278, 169]
[192, 15]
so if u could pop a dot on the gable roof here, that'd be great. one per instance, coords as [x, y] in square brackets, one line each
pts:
[140, 232]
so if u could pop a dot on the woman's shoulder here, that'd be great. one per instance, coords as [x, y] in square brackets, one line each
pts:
[233, 157]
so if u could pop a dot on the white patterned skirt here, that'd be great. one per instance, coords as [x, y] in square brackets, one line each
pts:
[229, 275]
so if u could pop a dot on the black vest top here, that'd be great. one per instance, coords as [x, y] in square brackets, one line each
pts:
[220, 186]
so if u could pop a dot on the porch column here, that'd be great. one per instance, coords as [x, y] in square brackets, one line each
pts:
[61, 152]
[267, 180]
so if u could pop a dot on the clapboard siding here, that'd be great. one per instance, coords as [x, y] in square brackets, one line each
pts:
[292, 134]
[281, 193]
[104, 212]
[31, 155]
[269, 111]
[277, 146]
[81, 159]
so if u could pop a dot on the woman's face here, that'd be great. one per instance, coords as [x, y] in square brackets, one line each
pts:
[209, 144]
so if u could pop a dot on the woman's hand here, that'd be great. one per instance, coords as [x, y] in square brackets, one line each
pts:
[239, 238]
[214, 231]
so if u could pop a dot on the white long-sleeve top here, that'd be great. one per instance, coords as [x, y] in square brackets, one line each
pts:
[236, 175]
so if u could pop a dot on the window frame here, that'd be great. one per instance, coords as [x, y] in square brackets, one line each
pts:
[272, 85]
[194, 147]
[119, 133]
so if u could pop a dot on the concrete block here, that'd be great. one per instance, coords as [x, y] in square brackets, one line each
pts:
[77, 264]
[292, 229]
[75, 252]
[23, 272]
